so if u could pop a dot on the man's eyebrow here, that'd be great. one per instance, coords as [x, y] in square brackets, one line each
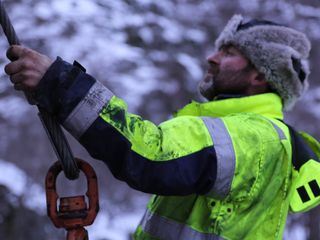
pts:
[226, 47]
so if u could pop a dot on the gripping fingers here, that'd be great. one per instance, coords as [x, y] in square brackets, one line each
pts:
[15, 51]
[13, 67]
[17, 78]
[27, 67]
[23, 80]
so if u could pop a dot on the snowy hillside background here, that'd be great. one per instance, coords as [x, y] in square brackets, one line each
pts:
[152, 54]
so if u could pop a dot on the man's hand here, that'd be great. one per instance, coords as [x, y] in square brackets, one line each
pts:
[27, 67]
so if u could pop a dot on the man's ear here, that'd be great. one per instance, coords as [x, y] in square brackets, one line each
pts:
[259, 80]
[258, 83]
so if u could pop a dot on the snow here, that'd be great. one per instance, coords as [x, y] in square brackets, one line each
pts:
[307, 11]
[172, 32]
[249, 5]
[14, 109]
[296, 233]
[41, 10]
[313, 97]
[146, 34]
[158, 56]
[22, 186]
[117, 228]
[191, 64]
[13, 178]
[196, 35]
[79, 8]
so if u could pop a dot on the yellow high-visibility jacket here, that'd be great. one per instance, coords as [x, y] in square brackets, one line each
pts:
[220, 170]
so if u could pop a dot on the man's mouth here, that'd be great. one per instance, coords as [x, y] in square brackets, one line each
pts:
[210, 75]
[213, 71]
[210, 72]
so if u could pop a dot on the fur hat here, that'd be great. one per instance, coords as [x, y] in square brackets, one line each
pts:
[277, 51]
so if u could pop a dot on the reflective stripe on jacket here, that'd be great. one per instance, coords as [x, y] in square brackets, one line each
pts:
[257, 203]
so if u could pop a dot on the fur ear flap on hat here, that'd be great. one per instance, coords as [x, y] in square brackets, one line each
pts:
[279, 52]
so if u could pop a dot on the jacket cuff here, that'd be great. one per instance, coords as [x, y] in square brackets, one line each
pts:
[45, 93]
[62, 88]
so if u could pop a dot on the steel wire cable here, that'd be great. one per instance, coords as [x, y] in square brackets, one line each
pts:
[49, 122]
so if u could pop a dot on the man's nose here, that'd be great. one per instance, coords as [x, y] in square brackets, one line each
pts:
[214, 58]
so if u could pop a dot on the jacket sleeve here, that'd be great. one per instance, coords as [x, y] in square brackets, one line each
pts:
[175, 158]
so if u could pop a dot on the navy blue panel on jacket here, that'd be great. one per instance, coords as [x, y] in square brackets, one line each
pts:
[194, 173]
[62, 88]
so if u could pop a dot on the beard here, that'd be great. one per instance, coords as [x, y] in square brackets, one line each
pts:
[206, 87]
[227, 81]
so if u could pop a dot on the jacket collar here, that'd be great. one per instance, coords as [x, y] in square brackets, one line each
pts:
[267, 104]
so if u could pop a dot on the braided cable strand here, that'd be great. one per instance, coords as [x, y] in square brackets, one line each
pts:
[7, 27]
[49, 122]
[60, 144]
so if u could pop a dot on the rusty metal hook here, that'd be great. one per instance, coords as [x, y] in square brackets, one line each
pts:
[73, 213]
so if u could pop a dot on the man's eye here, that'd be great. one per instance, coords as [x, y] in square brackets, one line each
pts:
[228, 52]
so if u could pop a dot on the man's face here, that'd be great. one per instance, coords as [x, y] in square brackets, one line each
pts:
[229, 73]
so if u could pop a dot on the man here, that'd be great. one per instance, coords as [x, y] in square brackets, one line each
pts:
[220, 169]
